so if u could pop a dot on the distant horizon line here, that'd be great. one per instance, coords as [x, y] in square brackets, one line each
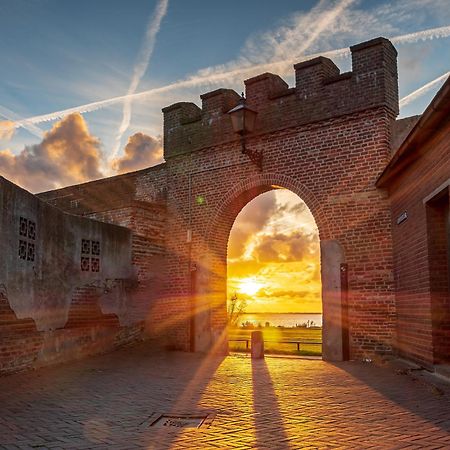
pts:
[282, 312]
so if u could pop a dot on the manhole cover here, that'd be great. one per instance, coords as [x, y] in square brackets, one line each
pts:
[174, 421]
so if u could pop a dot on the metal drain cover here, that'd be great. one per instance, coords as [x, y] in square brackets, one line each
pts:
[175, 421]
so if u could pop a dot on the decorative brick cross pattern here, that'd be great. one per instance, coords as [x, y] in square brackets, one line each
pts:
[27, 236]
[85, 264]
[90, 256]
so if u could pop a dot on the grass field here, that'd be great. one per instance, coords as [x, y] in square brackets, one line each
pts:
[275, 340]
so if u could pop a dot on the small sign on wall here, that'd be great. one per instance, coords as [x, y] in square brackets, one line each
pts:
[402, 217]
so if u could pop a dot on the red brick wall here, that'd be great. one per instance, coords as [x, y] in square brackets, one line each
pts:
[438, 250]
[85, 310]
[87, 332]
[320, 93]
[19, 340]
[413, 246]
[148, 223]
[332, 166]
[327, 139]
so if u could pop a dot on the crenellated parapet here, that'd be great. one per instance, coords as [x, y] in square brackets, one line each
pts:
[321, 92]
[188, 128]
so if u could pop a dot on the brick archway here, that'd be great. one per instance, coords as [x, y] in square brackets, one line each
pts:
[211, 293]
[248, 189]
[327, 138]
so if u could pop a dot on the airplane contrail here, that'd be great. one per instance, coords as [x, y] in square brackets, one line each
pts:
[145, 53]
[422, 90]
[208, 76]
[325, 21]
[424, 35]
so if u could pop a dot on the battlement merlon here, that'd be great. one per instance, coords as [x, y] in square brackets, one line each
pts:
[321, 92]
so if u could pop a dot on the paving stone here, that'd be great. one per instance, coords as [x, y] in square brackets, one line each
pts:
[276, 403]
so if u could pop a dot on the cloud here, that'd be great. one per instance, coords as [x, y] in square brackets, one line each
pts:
[286, 247]
[279, 249]
[227, 73]
[141, 151]
[249, 222]
[7, 130]
[275, 50]
[300, 33]
[297, 208]
[273, 227]
[12, 118]
[68, 154]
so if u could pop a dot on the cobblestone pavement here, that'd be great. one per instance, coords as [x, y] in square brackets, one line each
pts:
[109, 402]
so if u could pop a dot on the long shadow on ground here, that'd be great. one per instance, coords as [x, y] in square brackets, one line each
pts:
[269, 426]
[92, 402]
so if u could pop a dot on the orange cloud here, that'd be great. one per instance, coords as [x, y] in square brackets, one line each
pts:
[7, 130]
[286, 247]
[141, 151]
[250, 221]
[68, 154]
[274, 242]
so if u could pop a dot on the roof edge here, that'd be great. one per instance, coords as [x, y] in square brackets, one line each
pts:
[436, 112]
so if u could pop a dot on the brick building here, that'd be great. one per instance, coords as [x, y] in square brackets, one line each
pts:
[327, 139]
[418, 179]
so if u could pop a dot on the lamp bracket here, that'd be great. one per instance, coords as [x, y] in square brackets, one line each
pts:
[255, 156]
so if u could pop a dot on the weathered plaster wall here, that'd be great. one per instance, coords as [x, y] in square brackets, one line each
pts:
[42, 281]
[23, 347]
[137, 201]
[42, 289]
[331, 258]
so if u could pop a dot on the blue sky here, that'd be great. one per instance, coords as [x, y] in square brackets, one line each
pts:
[60, 54]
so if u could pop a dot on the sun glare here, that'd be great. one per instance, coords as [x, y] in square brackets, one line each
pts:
[274, 256]
[249, 286]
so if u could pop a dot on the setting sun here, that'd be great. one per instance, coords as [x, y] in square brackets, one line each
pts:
[274, 256]
[249, 286]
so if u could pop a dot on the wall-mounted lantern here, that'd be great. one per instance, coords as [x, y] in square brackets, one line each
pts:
[243, 122]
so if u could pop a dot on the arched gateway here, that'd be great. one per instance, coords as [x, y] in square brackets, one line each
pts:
[327, 139]
[210, 294]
